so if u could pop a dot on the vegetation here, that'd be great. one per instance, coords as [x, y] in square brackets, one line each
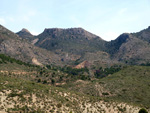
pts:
[143, 111]
[100, 73]
[125, 84]
[130, 85]
[6, 59]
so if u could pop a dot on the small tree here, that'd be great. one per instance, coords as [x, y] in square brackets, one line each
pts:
[45, 82]
[39, 80]
[53, 81]
[143, 111]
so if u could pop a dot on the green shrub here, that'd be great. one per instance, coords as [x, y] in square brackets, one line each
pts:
[143, 111]
[45, 82]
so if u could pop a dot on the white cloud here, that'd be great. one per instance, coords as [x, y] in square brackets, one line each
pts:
[2, 21]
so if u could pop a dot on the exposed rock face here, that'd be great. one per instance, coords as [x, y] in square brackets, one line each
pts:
[35, 61]
[83, 65]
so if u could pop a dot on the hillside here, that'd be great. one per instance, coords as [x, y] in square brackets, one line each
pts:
[133, 48]
[33, 97]
[14, 46]
[21, 91]
[129, 85]
[143, 34]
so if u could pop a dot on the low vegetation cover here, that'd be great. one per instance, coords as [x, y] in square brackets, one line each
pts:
[67, 89]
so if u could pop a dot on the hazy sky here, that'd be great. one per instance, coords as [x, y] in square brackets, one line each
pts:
[105, 18]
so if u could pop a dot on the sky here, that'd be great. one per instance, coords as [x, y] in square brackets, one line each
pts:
[105, 18]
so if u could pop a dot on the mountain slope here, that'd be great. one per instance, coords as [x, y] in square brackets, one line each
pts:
[143, 34]
[12, 45]
[133, 48]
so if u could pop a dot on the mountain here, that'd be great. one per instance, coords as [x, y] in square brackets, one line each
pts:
[25, 34]
[73, 44]
[131, 48]
[76, 45]
[73, 40]
[19, 48]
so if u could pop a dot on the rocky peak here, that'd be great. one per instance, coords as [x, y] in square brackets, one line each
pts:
[24, 33]
[25, 30]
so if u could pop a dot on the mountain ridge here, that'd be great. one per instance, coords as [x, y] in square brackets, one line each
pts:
[76, 44]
